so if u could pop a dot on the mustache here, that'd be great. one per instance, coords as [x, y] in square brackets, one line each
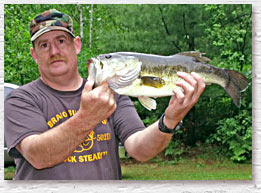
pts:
[55, 58]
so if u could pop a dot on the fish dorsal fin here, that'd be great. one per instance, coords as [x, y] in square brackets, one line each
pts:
[148, 102]
[152, 81]
[198, 56]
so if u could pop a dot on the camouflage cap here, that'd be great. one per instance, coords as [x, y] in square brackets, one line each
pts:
[50, 20]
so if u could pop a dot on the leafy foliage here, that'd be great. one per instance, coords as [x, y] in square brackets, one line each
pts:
[19, 67]
[234, 132]
[235, 135]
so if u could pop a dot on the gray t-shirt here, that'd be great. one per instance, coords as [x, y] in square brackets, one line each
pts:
[36, 108]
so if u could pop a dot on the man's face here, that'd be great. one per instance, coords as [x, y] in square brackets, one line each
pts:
[56, 52]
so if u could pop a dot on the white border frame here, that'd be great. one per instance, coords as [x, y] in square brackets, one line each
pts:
[253, 186]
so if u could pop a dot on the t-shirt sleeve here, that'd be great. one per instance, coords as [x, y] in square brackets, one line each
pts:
[126, 119]
[22, 118]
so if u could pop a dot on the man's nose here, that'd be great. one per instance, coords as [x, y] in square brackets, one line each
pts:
[54, 49]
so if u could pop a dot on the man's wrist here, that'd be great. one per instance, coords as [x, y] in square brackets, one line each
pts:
[164, 128]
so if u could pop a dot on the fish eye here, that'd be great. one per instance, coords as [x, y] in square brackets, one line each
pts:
[108, 56]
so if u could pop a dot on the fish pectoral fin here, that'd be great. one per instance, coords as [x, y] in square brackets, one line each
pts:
[148, 102]
[152, 81]
[197, 55]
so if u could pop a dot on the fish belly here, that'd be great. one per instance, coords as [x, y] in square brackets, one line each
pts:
[137, 89]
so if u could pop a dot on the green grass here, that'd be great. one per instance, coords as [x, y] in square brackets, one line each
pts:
[187, 169]
[9, 173]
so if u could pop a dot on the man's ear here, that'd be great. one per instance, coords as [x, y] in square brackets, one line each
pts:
[33, 54]
[77, 44]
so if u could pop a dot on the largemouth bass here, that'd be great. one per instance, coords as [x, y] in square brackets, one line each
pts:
[148, 76]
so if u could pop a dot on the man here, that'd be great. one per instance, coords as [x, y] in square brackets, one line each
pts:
[60, 127]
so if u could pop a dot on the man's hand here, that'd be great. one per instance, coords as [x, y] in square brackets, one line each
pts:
[182, 102]
[97, 104]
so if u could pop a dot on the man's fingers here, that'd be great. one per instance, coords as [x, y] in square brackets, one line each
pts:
[200, 82]
[104, 87]
[188, 78]
[179, 95]
[188, 89]
[193, 85]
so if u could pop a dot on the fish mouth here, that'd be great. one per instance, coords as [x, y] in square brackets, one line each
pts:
[114, 73]
[89, 61]
[92, 71]
[94, 61]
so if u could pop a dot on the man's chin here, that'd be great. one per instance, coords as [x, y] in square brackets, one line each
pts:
[58, 71]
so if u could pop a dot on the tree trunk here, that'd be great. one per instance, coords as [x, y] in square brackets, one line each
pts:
[91, 20]
[81, 20]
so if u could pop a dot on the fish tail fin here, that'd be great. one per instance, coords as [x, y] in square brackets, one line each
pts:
[235, 85]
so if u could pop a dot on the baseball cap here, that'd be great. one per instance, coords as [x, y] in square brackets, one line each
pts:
[50, 20]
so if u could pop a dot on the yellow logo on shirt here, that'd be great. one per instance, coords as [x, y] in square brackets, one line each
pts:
[104, 122]
[87, 143]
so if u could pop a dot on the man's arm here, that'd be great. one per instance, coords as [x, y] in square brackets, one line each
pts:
[55, 145]
[144, 145]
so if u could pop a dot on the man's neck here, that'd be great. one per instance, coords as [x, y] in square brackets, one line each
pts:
[63, 84]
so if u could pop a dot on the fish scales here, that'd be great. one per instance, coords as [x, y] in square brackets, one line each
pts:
[168, 66]
[147, 75]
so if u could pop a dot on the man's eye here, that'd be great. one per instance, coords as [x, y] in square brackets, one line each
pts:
[61, 41]
[44, 45]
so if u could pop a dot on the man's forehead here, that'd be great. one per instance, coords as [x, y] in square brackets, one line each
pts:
[52, 35]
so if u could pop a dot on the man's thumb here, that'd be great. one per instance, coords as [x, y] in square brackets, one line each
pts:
[88, 85]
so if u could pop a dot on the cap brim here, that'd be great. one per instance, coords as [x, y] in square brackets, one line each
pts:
[50, 28]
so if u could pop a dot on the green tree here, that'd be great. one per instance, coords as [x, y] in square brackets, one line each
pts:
[230, 29]
[19, 66]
